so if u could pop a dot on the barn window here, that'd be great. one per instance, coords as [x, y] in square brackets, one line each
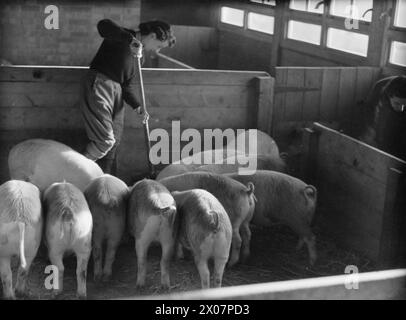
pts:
[398, 53]
[305, 32]
[307, 5]
[355, 9]
[268, 2]
[400, 15]
[232, 16]
[352, 42]
[260, 22]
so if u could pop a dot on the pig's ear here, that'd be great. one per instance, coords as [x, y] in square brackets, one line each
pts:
[250, 188]
[310, 192]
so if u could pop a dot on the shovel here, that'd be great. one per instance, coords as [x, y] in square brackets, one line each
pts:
[138, 46]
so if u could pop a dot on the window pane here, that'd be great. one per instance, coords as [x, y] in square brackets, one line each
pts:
[260, 22]
[354, 9]
[351, 42]
[298, 5]
[360, 7]
[304, 31]
[268, 2]
[232, 16]
[398, 53]
[400, 17]
[340, 7]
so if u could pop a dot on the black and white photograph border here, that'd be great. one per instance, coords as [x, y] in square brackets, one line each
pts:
[203, 150]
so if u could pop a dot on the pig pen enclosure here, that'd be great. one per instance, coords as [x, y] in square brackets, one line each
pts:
[360, 220]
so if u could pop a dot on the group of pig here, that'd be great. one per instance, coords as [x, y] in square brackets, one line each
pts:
[207, 210]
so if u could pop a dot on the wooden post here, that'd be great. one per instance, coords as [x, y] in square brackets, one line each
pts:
[391, 250]
[309, 155]
[279, 33]
[265, 94]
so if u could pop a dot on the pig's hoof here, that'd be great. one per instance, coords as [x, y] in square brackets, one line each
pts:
[12, 297]
[106, 277]
[81, 296]
[140, 285]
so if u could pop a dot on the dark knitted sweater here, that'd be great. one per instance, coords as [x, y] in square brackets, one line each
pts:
[115, 60]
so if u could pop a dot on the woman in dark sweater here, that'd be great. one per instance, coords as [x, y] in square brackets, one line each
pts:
[384, 116]
[112, 80]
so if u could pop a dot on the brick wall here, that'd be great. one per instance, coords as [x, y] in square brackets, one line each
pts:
[25, 40]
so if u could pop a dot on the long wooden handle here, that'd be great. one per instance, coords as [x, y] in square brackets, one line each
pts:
[146, 117]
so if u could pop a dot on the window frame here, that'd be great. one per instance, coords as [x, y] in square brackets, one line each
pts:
[394, 33]
[380, 32]
[326, 20]
[261, 4]
[248, 7]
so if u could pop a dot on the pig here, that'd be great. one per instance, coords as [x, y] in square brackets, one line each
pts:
[238, 200]
[151, 215]
[68, 228]
[191, 163]
[265, 145]
[21, 223]
[231, 165]
[43, 162]
[286, 199]
[107, 199]
[205, 229]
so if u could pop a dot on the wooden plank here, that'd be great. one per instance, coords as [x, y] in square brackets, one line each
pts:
[366, 189]
[56, 95]
[392, 232]
[151, 76]
[310, 144]
[329, 94]
[366, 159]
[294, 100]
[353, 180]
[265, 104]
[65, 118]
[380, 285]
[348, 221]
[346, 95]
[280, 98]
[311, 99]
[364, 83]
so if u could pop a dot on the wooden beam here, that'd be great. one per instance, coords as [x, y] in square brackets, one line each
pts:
[381, 285]
[392, 219]
[279, 33]
[265, 95]
[309, 154]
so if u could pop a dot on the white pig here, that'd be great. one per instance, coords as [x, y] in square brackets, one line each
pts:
[151, 214]
[238, 200]
[286, 199]
[20, 232]
[68, 228]
[107, 199]
[43, 162]
[205, 229]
